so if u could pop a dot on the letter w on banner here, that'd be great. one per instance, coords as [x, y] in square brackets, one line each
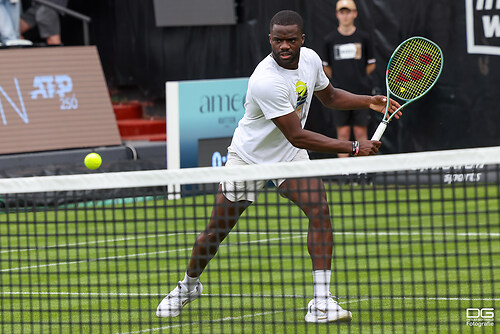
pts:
[483, 26]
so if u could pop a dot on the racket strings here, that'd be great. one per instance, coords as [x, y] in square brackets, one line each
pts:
[414, 68]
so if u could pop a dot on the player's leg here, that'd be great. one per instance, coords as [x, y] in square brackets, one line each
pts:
[225, 214]
[310, 196]
[231, 201]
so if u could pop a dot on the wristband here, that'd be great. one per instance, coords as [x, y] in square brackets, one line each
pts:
[355, 148]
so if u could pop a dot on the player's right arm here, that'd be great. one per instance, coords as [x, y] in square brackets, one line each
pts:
[290, 126]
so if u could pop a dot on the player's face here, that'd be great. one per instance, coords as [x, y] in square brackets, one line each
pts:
[285, 44]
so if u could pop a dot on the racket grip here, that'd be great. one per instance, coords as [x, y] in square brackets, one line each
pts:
[380, 131]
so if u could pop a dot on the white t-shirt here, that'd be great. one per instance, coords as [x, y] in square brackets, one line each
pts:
[273, 92]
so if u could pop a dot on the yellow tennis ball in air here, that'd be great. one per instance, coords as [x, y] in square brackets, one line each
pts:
[93, 161]
[301, 88]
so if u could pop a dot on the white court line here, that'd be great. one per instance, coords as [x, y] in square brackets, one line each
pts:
[206, 322]
[361, 233]
[351, 299]
[126, 239]
[135, 255]
[297, 234]
[357, 300]
[88, 243]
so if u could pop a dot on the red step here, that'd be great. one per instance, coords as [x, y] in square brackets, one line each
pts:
[135, 127]
[127, 111]
[149, 137]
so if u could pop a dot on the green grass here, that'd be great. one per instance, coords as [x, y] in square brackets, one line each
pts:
[406, 260]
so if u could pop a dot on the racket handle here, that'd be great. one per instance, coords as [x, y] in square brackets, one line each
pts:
[380, 131]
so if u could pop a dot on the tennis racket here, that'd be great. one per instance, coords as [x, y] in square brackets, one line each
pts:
[412, 71]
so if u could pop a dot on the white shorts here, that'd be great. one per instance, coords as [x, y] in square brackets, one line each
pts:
[249, 190]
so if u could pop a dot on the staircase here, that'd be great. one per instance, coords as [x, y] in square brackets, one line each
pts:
[133, 126]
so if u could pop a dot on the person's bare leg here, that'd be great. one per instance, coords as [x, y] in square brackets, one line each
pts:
[312, 200]
[23, 26]
[310, 196]
[54, 40]
[225, 214]
[360, 132]
[343, 133]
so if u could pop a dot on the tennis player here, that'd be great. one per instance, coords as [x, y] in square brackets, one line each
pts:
[277, 104]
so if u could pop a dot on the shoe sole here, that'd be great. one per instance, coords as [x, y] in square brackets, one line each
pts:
[170, 314]
[313, 319]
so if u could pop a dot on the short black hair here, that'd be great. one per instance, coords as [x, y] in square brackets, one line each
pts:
[287, 18]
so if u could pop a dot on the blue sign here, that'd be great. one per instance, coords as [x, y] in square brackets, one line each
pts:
[208, 109]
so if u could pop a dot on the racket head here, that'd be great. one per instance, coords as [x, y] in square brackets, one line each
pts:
[414, 68]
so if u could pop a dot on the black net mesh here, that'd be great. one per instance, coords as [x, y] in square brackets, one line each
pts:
[413, 251]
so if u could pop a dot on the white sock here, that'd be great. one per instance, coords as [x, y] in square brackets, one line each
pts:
[189, 282]
[321, 281]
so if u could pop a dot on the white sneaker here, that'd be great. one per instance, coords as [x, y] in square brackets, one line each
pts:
[326, 311]
[179, 297]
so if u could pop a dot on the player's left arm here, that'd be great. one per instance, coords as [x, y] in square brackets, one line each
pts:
[336, 98]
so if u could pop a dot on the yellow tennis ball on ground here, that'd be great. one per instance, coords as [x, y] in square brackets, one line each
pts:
[93, 161]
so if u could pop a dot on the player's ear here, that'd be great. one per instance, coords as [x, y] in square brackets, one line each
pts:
[303, 39]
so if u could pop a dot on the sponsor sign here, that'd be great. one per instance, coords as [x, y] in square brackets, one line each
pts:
[201, 110]
[54, 98]
[483, 26]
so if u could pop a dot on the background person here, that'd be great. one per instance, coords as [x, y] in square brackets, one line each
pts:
[10, 11]
[349, 61]
[46, 19]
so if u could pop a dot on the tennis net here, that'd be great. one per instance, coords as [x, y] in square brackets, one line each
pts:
[416, 248]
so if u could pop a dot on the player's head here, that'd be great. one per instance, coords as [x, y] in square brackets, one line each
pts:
[287, 18]
[286, 38]
[346, 12]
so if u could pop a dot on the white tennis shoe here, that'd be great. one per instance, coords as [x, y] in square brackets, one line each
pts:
[326, 310]
[179, 297]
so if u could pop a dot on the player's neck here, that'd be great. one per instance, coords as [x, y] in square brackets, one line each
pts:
[347, 30]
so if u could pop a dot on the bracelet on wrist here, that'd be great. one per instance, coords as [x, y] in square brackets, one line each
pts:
[355, 148]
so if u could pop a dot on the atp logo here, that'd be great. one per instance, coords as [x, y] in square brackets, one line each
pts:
[48, 86]
[483, 26]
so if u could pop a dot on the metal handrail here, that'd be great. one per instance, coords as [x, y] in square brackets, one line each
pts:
[63, 11]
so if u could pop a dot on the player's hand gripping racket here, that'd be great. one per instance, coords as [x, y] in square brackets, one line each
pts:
[413, 69]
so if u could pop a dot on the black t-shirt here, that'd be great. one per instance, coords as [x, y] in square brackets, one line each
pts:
[348, 57]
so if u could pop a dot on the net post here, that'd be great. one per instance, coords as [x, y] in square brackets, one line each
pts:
[173, 139]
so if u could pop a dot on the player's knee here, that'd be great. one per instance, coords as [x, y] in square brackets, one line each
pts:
[320, 212]
[322, 209]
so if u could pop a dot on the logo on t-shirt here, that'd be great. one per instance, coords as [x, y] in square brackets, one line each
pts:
[301, 89]
[347, 51]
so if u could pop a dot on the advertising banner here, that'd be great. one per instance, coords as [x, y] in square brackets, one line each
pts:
[54, 98]
[198, 110]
